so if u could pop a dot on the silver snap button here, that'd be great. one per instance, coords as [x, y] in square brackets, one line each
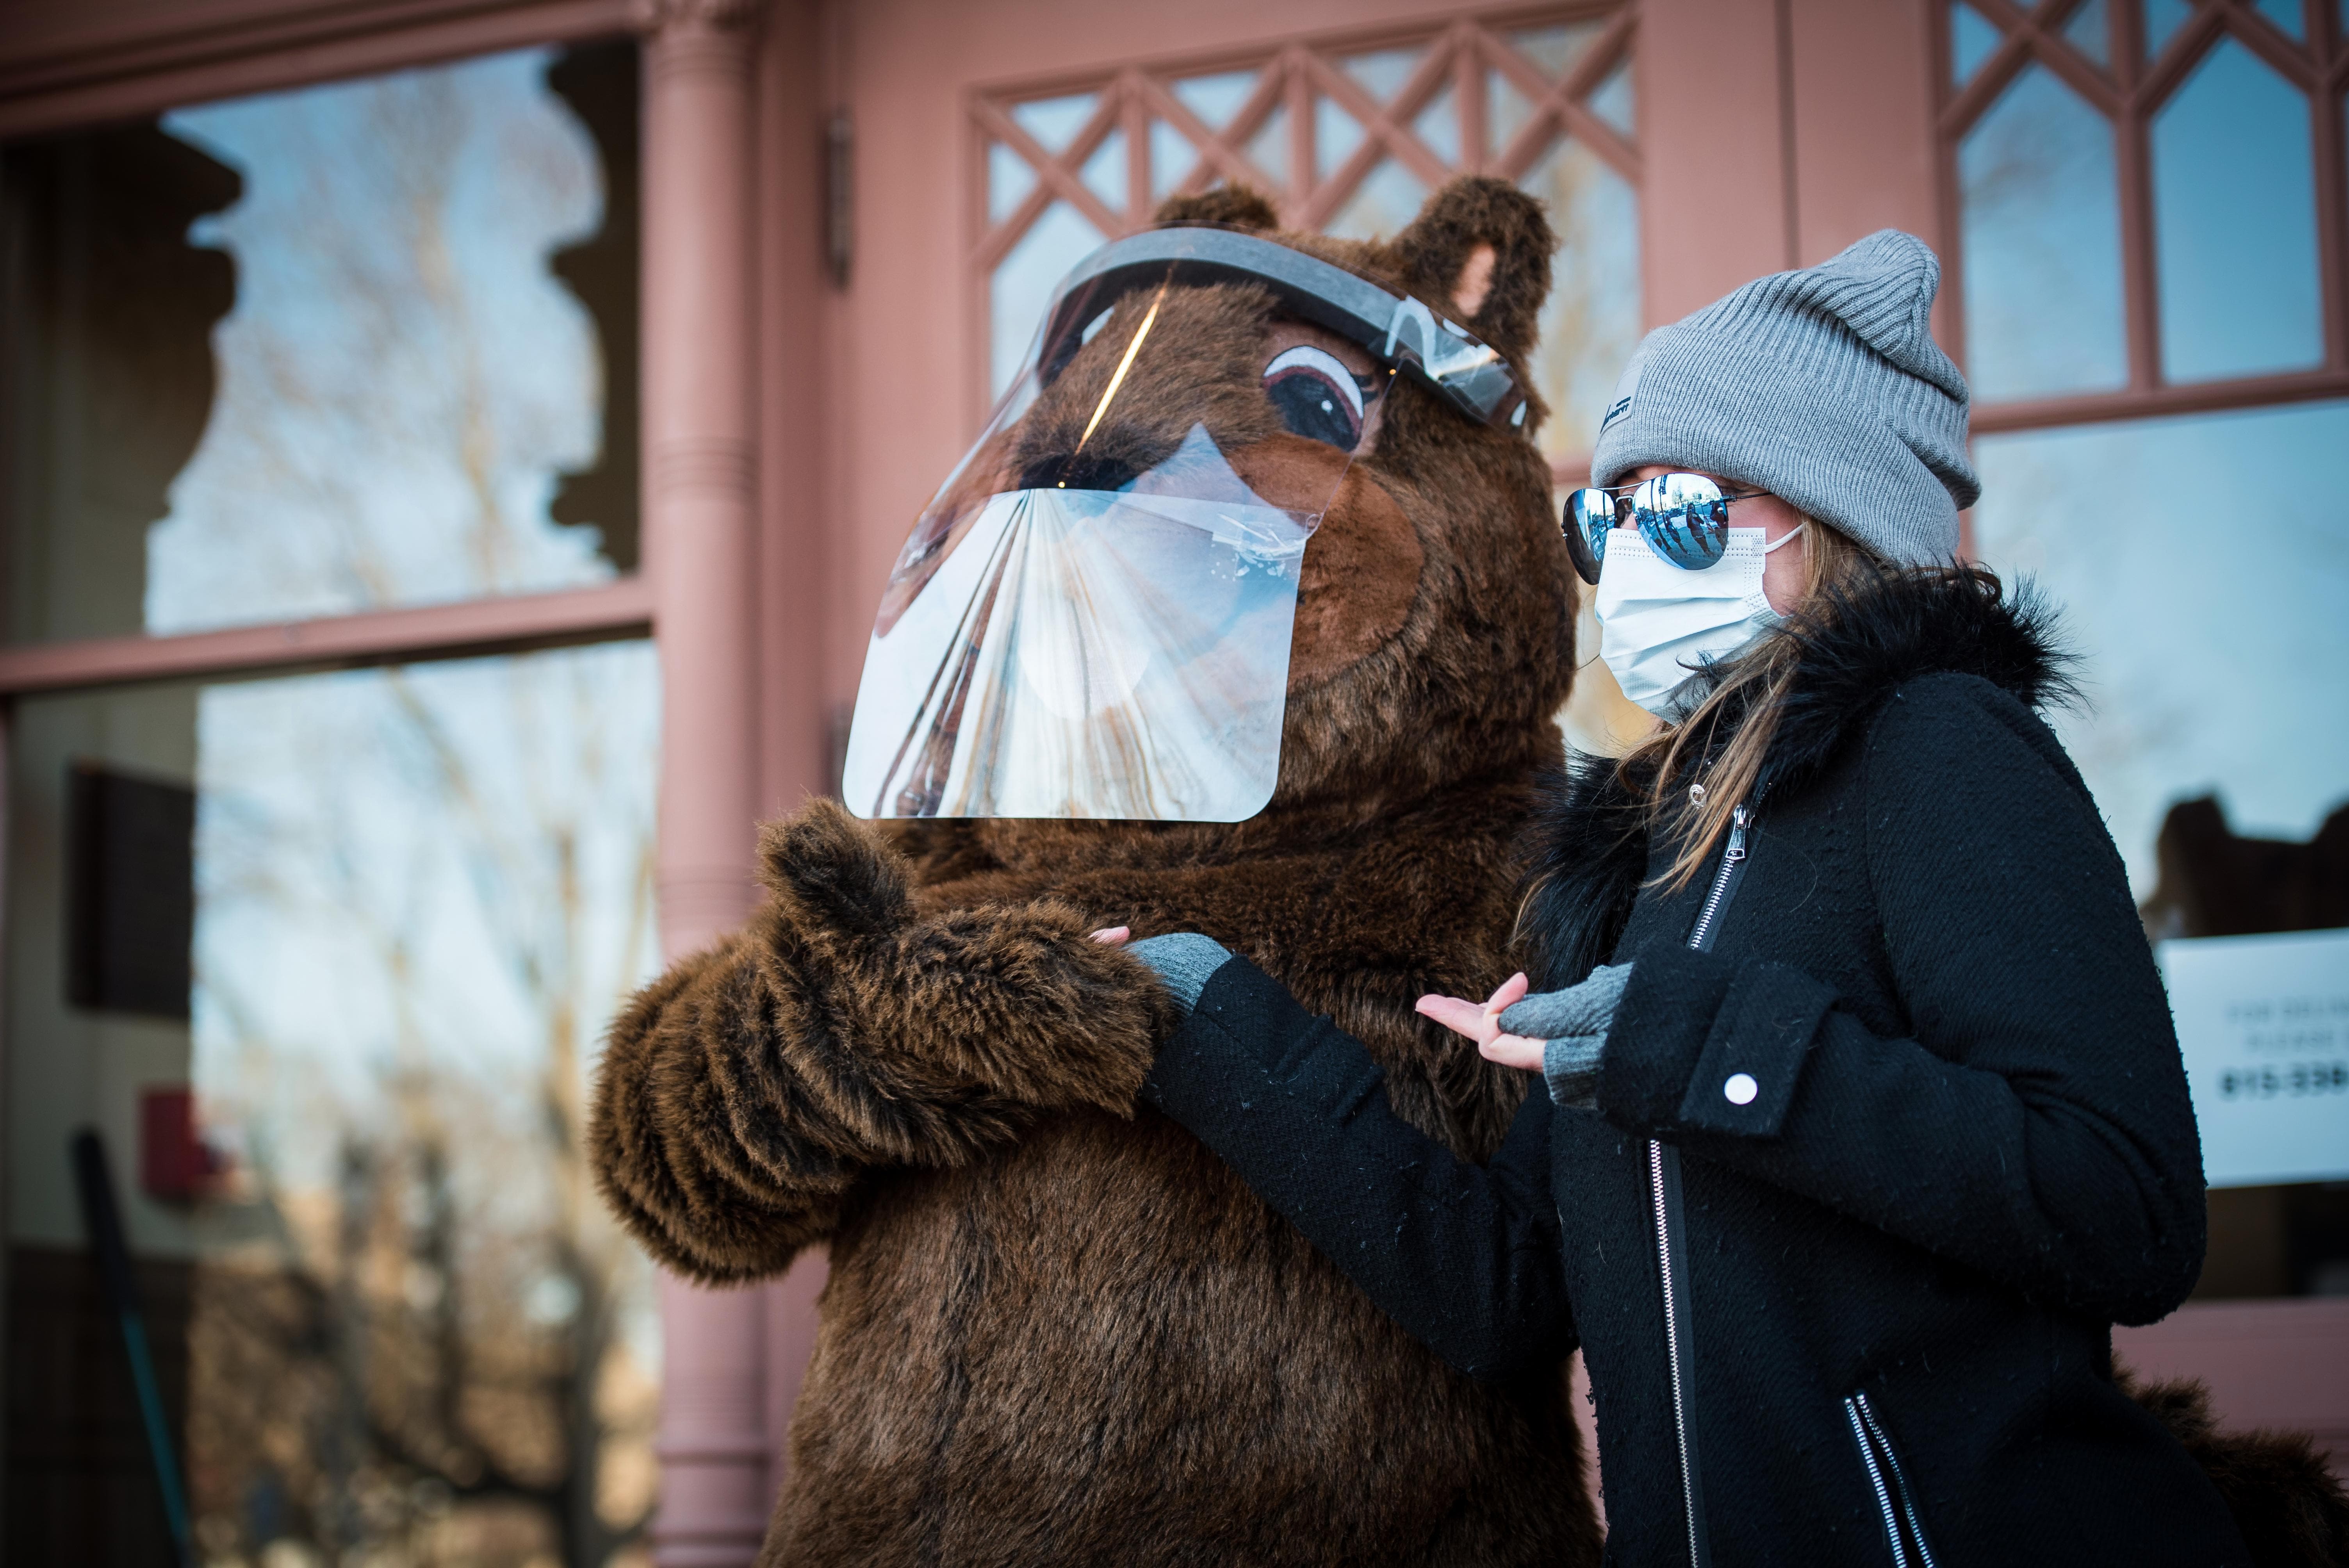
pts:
[1740, 1089]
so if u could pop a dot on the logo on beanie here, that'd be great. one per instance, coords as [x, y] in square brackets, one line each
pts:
[1626, 388]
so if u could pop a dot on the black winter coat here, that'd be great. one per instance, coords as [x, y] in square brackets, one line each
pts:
[1891, 1128]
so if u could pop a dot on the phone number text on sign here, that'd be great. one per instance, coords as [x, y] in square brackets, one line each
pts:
[2263, 1022]
[2266, 1083]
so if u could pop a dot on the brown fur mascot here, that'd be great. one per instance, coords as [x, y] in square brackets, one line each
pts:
[1057, 1329]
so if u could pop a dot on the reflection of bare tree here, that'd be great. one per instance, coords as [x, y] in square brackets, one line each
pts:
[388, 1390]
[432, 1345]
[417, 1340]
[403, 372]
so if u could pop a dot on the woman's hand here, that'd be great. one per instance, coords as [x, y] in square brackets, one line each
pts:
[1482, 1023]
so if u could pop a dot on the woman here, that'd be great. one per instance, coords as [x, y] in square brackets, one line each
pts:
[1866, 1120]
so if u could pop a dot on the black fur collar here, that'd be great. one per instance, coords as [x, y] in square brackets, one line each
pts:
[1590, 842]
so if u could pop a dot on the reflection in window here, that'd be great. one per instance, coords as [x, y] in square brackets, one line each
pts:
[2162, 20]
[404, 377]
[420, 893]
[1267, 149]
[2090, 33]
[2042, 236]
[1104, 172]
[2235, 223]
[1010, 178]
[1386, 201]
[1972, 39]
[1612, 100]
[1023, 282]
[1054, 122]
[106, 365]
[399, 1329]
[1336, 135]
[2224, 273]
[2209, 613]
[1214, 99]
[1590, 323]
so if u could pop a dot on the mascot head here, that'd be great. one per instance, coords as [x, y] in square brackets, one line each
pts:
[1260, 527]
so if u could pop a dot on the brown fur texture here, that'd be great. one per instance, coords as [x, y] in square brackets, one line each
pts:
[2288, 1505]
[1057, 1330]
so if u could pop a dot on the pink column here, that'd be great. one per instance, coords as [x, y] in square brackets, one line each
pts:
[700, 513]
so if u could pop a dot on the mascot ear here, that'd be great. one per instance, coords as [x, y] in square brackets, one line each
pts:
[1238, 206]
[1480, 250]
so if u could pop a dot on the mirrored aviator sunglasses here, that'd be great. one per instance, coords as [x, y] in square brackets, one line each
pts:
[1684, 517]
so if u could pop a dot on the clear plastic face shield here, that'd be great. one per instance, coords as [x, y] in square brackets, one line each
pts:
[1092, 616]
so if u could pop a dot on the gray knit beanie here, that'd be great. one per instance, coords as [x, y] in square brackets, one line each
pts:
[1823, 387]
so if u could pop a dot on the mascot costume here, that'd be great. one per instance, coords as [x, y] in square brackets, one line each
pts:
[1058, 1329]
[1248, 614]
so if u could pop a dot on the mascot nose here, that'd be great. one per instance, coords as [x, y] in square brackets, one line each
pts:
[1078, 471]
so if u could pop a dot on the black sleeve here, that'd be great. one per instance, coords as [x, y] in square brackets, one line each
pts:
[1464, 1258]
[2038, 1126]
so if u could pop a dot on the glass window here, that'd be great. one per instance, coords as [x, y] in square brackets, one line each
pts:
[2200, 562]
[2043, 245]
[2234, 202]
[2089, 31]
[1023, 282]
[1592, 320]
[1336, 135]
[1385, 203]
[2201, 565]
[1214, 99]
[1267, 149]
[394, 1323]
[2224, 266]
[1972, 39]
[351, 347]
[1054, 122]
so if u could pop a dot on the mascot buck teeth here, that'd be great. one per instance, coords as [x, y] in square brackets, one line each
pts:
[1058, 1329]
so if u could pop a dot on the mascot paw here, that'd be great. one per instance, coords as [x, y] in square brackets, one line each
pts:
[1015, 1000]
[833, 873]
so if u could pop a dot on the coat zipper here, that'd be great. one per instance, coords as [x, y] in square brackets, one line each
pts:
[1663, 1187]
[1869, 1433]
[1732, 865]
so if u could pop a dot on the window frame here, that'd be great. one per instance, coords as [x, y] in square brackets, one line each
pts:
[1293, 72]
[85, 72]
[2129, 98]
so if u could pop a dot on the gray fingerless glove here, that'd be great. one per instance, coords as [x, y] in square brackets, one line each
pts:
[1570, 1066]
[1584, 1009]
[1184, 960]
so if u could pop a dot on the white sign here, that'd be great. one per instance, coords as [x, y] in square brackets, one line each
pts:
[2264, 1023]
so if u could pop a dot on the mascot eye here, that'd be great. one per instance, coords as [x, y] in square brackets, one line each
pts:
[1318, 397]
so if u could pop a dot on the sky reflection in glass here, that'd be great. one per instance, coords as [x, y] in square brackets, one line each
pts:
[2211, 648]
[1023, 284]
[420, 893]
[1971, 41]
[2040, 220]
[1590, 322]
[402, 380]
[2235, 223]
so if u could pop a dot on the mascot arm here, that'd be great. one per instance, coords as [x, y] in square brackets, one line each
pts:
[744, 1092]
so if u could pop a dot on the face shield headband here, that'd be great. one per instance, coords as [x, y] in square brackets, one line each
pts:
[1397, 330]
[1092, 616]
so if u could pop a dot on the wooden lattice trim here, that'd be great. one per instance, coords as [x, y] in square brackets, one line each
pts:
[1291, 77]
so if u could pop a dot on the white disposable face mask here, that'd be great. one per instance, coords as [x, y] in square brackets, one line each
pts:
[1658, 624]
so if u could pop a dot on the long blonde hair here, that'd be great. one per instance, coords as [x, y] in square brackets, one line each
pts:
[1697, 797]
